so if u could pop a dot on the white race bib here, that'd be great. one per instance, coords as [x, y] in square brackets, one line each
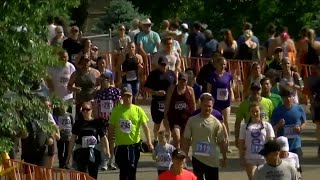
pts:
[89, 141]
[125, 126]
[203, 149]
[131, 75]
[64, 80]
[222, 94]
[106, 106]
[180, 105]
[289, 132]
[256, 148]
[65, 123]
[161, 106]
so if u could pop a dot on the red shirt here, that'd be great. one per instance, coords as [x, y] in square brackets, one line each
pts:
[185, 175]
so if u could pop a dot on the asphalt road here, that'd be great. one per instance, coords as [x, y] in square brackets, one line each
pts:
[233, 171]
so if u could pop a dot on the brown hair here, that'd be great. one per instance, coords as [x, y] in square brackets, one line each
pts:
[228, 37]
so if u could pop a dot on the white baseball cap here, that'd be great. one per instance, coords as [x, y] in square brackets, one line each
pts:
[184, 25]
[283, 142]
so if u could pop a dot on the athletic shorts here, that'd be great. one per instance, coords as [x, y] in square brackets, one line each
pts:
[177, 124]
[156, 114]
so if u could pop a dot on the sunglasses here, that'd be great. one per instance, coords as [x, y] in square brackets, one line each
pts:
[86, 109]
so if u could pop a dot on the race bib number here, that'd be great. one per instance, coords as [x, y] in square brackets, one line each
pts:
[180, 106]
[256, 144]
[222, 94]
[288, 131]
[263, 115]
[161, 106]
[73, 57]
[203, 149]
[106, 106]
[125, 126]
[256, 148]
[131, 75]
[65, 123]
[64, 80]
[89, 141]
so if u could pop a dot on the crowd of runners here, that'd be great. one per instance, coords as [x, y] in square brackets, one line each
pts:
[99, 125]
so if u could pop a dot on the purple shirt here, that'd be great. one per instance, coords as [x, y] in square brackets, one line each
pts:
[221, 90]
[214, 113]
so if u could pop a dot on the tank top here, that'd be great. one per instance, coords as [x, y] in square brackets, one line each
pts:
[285, 81]
[130, 66]
[181, 106]
[245, 53]
[87, 82]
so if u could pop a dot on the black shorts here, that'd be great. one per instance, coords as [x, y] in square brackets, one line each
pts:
[177, 124]
[156, 114]
[315, 111]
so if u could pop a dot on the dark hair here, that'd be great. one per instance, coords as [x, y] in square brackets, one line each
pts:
[271, 28]
[174, 24]
[304, 31]
[83, 42]
[264, 80]
[197, 25]
[254, 104]
[191, 69]
[228, 37]
[247, 26]
[166, 39]
[50, 19]
[100, 58]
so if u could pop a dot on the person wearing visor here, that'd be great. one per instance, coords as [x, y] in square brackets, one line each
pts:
[177, 171]
[126, 120]
[274, 168]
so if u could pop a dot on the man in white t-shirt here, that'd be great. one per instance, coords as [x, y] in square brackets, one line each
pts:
[59, 77]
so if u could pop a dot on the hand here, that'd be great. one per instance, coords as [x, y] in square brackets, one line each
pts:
[150, 147]
[50, 141]
[223, 163]
[281, 123]
[160, 93]
[297, 129]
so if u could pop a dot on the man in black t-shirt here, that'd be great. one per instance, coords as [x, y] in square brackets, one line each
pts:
[157, 84]
[72, 45]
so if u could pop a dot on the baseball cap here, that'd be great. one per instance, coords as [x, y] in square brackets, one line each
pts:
[185, 26]
[183, 76]
[283, 142]
[255, 85]
[106, 76]
[162, 60]
[126, 90]
[269, 147]
[179, 154]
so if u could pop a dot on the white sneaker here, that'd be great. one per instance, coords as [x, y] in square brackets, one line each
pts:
[111, 166]
[104, 166]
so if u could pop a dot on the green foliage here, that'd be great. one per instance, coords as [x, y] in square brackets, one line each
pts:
[80, 14]
[118, 12]
[24, 59]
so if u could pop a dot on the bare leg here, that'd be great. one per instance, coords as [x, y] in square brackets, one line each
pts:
[176, 137]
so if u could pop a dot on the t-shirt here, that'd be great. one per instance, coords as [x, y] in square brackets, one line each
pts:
[205, 135]
[158, 80]
[275, 99]
[220, 86]
[242, 40]
[197, 91]
[243, 110]
[127, 122]
[73, 47]
[185, 175]
[292, 159]
[120, 44]
[149, 41]
[196, 40]
[65, 123]
[164, 153]
[255, 136]
[172, 59]
[284, 171]
[293, 117]
[88, 131]
[60, 77]
[217, 114]
[106, 99]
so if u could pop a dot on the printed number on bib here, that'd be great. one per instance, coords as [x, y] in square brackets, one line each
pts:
[161, 106]
[89, 141]
[203, 149]
[125, 126]
[256, 148]
[65, 123]
[73, 57]
[106, 106]
[288, 131]
[180, 105]
[131, 75]
[222, 94]
[64, 80]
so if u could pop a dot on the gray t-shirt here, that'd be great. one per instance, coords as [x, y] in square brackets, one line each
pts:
[164, 154]
[284, 171]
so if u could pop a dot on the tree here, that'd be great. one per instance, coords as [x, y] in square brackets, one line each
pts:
[118, 12]
[25, 57]
[80, 14]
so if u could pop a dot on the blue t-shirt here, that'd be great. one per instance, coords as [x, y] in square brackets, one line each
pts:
[149, 41]
[242, 39]
[197, 90]
[214, 113]
[293, 116]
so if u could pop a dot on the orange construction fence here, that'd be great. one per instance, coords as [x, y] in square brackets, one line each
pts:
[25, 171]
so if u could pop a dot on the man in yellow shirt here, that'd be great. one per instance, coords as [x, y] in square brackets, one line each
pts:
[125, 121]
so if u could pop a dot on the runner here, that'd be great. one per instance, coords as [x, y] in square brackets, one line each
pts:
[86, 144]
[162, 153]
[220, 88]
[157, 85]
[192, 83]
[131, 70]
[72, 44]
[177, 171]
[179, 105]
[253, 135]
[255, 75]
[266, 92]
[243, 110]
[205, 133]
[105, 100]
[287, 156]
[289, 120]
[125, 121]
[102, 68]
[274, 168]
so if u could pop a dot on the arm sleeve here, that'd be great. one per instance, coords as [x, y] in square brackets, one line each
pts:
[101, 129]
[157, 38]
[142, 115]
